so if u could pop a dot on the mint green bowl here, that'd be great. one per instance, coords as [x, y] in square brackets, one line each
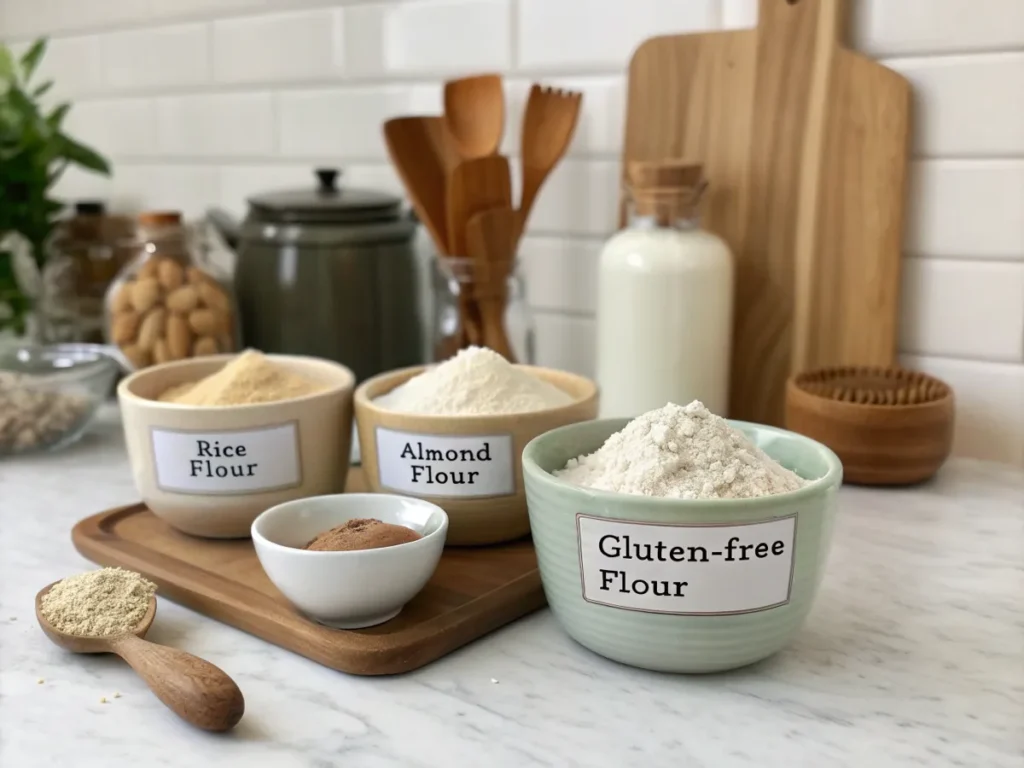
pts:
[731, 583]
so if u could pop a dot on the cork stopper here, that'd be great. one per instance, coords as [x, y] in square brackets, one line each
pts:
[159, 218]
[668, 190]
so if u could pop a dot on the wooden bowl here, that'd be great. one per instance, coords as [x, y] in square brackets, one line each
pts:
[470, 466]
[889, 426]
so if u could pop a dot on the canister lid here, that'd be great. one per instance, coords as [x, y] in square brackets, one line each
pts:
[326, 202]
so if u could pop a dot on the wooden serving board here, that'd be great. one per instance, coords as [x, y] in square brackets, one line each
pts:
[804, 143]
[473, 592]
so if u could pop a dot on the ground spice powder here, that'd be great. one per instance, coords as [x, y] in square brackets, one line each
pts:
[363, 533]
[110, 601]
[249, 378]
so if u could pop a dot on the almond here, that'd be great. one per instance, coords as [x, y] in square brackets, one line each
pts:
[196, 276]
[152, 328]
[170, 273]
[139, 358]
[205, 322]
[148, 269]
[183, 300]
[124, 327]
[205, 345]
[161, 354]
[213, 296]
[179, 337]
[121, 301]
[145, 293]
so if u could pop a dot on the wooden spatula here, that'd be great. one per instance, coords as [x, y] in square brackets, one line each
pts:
[490, 240]
[548, 125]
[474, 111]
[423, 154]
[474, 186]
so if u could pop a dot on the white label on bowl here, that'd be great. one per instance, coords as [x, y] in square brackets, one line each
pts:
[687, 570]
[445, 465]
[234, 462]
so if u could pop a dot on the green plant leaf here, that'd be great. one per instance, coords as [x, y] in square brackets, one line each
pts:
[83, 156]
[32, 57]
[7, 73]
[56, 117]
[42, 89]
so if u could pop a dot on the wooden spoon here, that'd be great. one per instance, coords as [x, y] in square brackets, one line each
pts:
[474, 185]
[196, 690]
[474, 110]
[490, 236]
[548, 125]
[423, 153]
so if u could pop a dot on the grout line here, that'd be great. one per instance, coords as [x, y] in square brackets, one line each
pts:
[961, 359]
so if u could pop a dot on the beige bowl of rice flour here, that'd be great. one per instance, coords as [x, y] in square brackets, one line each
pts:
[214, 441]
[454, 434]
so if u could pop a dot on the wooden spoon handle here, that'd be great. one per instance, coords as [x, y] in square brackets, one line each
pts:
[196, 690]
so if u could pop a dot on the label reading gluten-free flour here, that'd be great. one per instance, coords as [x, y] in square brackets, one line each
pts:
[445, 465]
[686, 569]
[242, 461]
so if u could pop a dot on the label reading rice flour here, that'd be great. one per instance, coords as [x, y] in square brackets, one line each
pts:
[686, 570]
[445, 465]
[236, 462]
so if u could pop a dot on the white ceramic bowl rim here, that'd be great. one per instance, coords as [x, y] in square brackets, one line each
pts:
[347, 380]
[285, 507]
[362, 399]
[831, 477]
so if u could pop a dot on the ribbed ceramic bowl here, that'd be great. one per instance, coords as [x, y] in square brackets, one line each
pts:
[468, 465]
[735, 578]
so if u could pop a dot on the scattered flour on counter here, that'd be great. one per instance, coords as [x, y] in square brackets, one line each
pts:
[681, 452]
[476, 382]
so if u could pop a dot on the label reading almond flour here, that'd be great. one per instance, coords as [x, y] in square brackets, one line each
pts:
[445, 465]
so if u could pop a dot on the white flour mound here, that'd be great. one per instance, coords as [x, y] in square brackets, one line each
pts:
[476, 382]
[681, 452]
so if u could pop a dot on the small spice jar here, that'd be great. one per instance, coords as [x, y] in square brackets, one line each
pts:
[85, 255]
[481, 304]
[168, 303]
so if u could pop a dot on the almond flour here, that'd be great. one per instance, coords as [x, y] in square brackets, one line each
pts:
[250, 378]
[681, 452]
[476, 382]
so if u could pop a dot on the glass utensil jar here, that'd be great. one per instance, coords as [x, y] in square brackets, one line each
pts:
[168, 303]
[481, 305]
[665, 296]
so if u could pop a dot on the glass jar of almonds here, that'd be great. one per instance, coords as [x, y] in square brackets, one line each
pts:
[167, 303]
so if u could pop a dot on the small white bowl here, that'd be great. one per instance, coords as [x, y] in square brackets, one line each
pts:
[349, 590]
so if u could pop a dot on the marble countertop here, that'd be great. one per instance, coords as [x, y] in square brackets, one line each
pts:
[913, 655]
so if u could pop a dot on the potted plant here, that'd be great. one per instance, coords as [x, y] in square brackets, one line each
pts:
[34, 152]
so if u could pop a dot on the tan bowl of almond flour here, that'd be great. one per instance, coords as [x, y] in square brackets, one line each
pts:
[470, 466]
[211, 470]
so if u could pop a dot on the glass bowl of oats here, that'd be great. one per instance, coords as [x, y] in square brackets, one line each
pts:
[50, 394]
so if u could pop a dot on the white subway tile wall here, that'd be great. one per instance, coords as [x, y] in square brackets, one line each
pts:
[204, 102]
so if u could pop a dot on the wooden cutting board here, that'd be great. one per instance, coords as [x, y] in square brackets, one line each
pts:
[473, 592]
[805, 145]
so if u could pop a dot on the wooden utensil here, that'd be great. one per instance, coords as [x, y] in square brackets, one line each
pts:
[423, 154]
[804, 143]
[196, 690]
[490, 240]
[548, 126]
[473, 186]
[474, 111]
[889, 426]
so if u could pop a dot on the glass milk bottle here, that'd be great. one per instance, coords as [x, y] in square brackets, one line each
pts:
[665, 294]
